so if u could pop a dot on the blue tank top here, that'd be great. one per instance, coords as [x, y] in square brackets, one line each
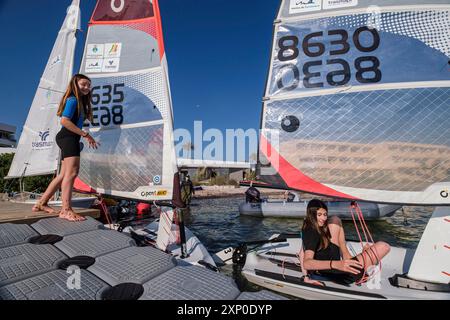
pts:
[70, 111]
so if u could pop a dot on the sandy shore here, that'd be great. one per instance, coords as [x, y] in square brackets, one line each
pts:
[210, 192]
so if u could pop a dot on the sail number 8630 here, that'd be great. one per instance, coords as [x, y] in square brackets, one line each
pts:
[367, 67]
[110, 99]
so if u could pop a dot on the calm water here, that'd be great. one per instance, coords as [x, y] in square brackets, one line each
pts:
[217, 223]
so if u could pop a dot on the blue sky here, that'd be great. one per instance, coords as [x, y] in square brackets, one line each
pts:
[217, 50]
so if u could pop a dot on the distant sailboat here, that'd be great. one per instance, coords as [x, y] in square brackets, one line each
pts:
[355, 107]
[37, 152]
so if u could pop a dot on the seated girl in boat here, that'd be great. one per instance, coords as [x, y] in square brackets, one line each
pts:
[324, 246]
[74, 108]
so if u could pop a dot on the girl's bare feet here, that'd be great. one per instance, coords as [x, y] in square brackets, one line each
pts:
[69, 214]
[43, 206]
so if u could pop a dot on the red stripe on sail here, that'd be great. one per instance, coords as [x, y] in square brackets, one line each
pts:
[446, 273]
[295, 179]
[150, 27]
[159, 24]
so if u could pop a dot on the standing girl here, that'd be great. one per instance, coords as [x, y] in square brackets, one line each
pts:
[74, 108]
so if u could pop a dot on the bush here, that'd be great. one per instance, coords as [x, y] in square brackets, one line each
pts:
[223, 181]
[251, 175]
[5, 163]
[32, 184]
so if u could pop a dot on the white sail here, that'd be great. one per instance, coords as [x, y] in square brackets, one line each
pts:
[37, 152]
[357, 99]
[124, 56]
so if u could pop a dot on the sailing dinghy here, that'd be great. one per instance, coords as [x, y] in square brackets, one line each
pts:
[354, 106]
[37, 153]
[133, 119]
[297, 209]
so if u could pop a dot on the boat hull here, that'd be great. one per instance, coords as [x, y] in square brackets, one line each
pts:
[195, 249]
[283, 209]
[276, 266]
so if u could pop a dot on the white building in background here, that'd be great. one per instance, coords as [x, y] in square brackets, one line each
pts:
[8, 140]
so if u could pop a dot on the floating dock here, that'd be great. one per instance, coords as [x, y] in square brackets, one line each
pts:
[55, 259]
[13, 212]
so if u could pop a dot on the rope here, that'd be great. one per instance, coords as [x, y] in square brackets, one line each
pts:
[365, 230]
[106, 211]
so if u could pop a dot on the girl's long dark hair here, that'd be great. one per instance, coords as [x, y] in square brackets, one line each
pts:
[311, 222]
[82, 101]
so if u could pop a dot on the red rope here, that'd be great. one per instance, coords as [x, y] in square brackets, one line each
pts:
[352, 206]
[105, 210]
[366, 232]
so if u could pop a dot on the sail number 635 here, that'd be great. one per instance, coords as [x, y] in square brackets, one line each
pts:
[367, 67]
[110, 98]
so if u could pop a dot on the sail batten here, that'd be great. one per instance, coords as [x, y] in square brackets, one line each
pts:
[355, 98]
[387, 86]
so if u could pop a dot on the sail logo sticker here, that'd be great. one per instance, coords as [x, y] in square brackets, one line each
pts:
[333, 4]
[55, 61]
[111, 65]
[156, 193]
[161, 193]
[103, 57]
[95, 50]
[44, 135]
[94, 65]
[42, 143]
[299, 6]
[444, 193]
[157, 179]
[113, 50]
[119, 8]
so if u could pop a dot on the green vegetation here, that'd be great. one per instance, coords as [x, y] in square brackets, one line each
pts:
[222, 181]
[250, 175]
[204, 177]
[36, 184]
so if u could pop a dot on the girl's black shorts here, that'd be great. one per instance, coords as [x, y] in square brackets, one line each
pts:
[69, 143]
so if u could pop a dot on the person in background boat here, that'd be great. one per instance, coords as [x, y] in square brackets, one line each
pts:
[74, 108]
[252, 195]
[187, 190]
[324, 246]
[289, 196]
